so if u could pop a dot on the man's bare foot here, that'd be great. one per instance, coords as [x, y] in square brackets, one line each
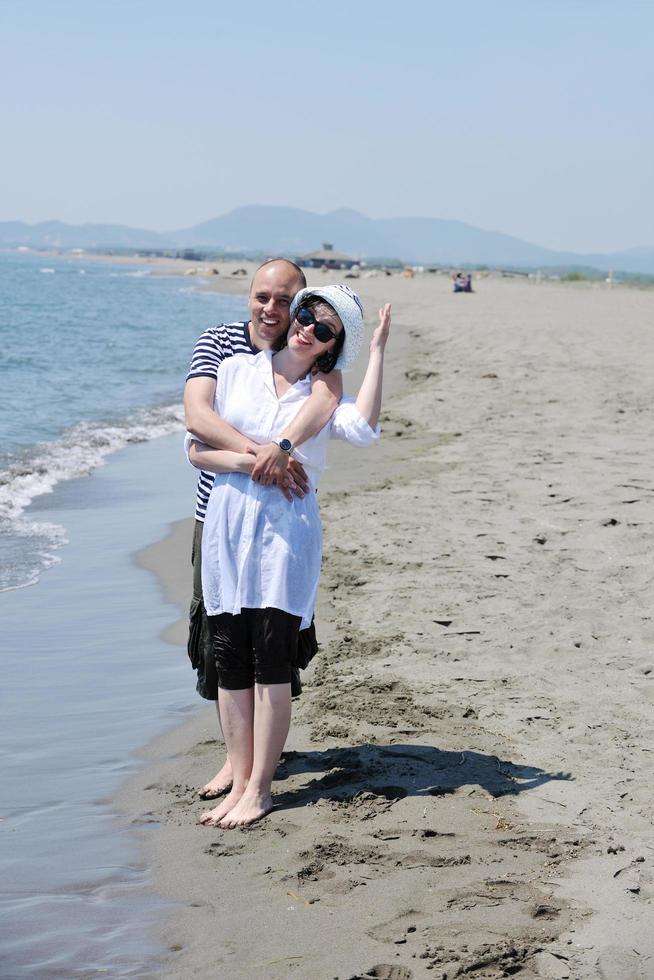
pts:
[221, 783]
[211, 818]
[250, 808]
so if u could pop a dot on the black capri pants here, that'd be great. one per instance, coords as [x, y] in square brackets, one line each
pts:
[256, 645]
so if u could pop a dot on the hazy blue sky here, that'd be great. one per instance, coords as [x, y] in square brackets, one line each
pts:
[532, 117]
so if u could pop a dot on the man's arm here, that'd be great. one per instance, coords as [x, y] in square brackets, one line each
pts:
[203, 422]
[326, 393]
[203, 457]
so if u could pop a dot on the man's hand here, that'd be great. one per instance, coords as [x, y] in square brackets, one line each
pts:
[294, 481]
[297, 474]
[290, 477]
[271, 464]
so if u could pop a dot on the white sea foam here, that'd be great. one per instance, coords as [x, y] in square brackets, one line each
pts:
[81, 449]
[44, 537]
[137, 274]
[50, 272]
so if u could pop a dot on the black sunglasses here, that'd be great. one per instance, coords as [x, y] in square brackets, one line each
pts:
[321, 331]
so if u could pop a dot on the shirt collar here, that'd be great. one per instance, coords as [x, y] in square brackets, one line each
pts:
[263, 364]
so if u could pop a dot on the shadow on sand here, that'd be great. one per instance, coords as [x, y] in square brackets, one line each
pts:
[397, 771]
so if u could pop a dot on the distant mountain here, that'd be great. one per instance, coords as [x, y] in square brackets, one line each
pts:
[293, 231]
[637, 260]
[262, 229]
[56, 234]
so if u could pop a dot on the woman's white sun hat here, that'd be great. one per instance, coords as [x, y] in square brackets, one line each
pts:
[350, 311]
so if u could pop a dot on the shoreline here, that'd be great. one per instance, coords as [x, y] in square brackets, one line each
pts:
[442, 801]
[116, 310]
[226, 275]
[83, 657]
[162, 559]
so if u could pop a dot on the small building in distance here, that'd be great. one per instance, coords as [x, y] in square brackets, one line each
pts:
[327, 258]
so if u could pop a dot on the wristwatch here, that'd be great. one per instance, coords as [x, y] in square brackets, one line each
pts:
[285, 445]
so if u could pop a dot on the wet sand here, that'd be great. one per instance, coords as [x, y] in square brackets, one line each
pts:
[466, 789]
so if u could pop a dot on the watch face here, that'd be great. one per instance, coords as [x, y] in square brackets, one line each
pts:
[286, 445]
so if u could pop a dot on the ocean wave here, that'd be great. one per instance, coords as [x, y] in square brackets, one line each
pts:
[137, 274]
[49, 272]
[28, 551]
[78, 452]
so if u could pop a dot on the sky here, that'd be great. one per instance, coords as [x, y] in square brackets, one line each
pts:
[530, 117]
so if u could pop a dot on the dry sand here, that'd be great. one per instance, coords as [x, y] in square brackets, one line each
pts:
[466, 788]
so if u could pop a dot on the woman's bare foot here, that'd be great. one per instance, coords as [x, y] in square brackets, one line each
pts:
[251, 807]
[211, 818]
[221, 783]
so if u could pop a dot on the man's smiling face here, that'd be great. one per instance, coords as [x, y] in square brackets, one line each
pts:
[271, 293]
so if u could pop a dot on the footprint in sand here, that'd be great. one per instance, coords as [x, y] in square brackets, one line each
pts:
[406, 923]
[384, 971]
[366, 804]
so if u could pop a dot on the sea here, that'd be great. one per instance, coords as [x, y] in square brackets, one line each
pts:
[93, 357]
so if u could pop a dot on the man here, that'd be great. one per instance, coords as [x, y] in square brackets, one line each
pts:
[273, 287]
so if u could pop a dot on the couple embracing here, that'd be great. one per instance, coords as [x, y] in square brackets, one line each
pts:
[258, 428]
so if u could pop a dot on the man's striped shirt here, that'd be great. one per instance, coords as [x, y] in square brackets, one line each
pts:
[214, 345]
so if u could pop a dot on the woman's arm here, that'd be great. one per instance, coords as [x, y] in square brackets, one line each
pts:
[326, 393]
[368, 401]
[203, 457]
[214, 432]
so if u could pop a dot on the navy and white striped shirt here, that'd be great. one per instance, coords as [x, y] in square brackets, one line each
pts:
[213, 346]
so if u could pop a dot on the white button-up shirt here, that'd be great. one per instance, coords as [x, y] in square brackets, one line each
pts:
[258, 549]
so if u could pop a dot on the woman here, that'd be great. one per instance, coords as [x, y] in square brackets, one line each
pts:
[261, 554]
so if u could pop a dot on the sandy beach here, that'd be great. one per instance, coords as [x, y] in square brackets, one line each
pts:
[466, 789]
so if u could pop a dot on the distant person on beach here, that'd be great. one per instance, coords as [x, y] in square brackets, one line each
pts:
[462, 282]
[261, 554]
[273, 287]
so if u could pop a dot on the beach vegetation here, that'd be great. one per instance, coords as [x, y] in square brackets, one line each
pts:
[574, 276]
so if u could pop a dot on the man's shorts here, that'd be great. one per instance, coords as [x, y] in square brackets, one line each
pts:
[200, 647]
[254, 646]
[200, 644]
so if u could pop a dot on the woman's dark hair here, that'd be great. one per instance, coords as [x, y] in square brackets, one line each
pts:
[327, 361]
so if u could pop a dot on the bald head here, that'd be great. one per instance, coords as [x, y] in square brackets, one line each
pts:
[291, 267]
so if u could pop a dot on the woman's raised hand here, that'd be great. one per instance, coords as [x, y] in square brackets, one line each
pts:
[369, 398]
[380, 335]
